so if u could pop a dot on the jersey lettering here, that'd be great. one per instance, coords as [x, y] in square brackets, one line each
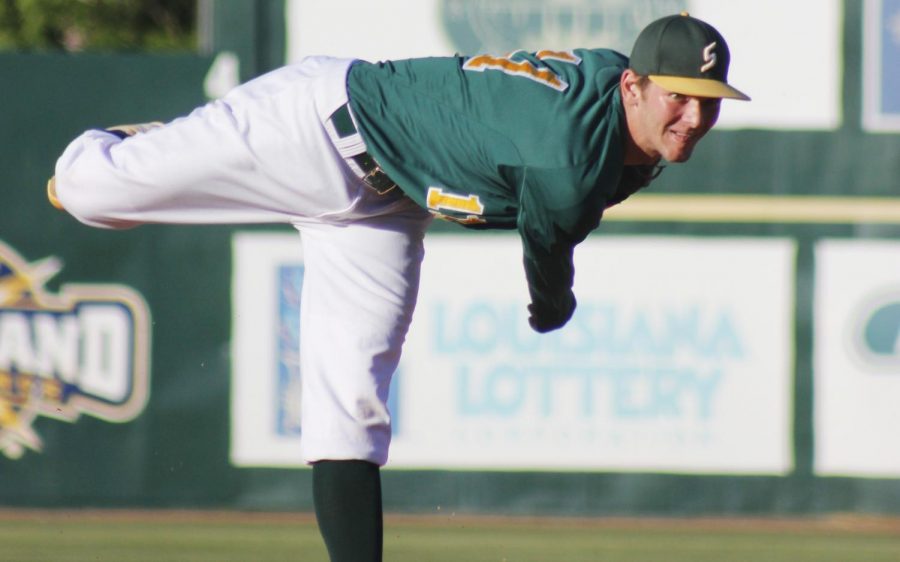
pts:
[437, 201]
[525, 68]
[564, 56]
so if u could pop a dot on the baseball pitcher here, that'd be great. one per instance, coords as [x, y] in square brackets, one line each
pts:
[359, 157]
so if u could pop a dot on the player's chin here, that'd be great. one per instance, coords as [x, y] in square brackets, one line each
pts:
[680, 152]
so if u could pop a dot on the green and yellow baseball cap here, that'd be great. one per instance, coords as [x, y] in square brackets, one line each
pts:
[685, 55]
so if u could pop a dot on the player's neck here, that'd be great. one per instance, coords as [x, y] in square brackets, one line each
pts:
[635, 156]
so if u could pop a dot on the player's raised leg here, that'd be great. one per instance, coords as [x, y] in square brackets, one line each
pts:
[259, 155]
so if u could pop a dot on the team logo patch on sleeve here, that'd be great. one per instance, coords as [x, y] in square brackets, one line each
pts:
[84, 350]
[467, 208]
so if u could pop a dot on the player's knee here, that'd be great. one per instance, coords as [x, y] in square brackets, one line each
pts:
[91, 199]
[86, 182]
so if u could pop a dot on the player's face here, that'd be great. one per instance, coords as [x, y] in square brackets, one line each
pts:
[669, 125]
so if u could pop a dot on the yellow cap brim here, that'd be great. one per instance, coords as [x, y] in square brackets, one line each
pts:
[700, 87]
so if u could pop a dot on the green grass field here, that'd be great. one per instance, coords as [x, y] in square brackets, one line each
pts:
[63, 536]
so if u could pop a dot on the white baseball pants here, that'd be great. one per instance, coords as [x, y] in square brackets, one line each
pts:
[262, 155]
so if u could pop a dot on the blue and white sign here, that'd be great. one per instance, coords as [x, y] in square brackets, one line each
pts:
[881, 75]
[678, 359]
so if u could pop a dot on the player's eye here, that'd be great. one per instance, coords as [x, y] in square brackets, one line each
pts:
[676, 98]
[710, 103]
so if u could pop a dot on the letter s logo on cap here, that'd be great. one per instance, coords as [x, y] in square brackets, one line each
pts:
[709, 57]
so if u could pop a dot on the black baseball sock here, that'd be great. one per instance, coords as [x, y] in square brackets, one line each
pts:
[347, 498]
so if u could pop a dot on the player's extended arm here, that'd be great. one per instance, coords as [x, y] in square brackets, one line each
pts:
[554, 216]
[550, 275]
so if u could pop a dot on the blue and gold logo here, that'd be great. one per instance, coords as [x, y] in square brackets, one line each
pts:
[84, 350]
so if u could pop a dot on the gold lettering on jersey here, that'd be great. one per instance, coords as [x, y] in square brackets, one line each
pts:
[523, 68]
[564, 56]
[437, 200]
[709, 57]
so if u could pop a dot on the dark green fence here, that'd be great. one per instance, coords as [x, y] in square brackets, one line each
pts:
[175, 454]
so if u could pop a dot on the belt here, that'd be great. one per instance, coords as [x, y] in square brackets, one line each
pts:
[349, 143]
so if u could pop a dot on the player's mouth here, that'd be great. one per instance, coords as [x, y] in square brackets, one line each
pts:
[683, 137]
[681, 145]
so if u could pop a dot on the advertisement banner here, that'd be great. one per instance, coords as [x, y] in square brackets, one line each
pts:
[678, 358]
[766, 70]
[857, 358]
[881, 65]
[83, 350]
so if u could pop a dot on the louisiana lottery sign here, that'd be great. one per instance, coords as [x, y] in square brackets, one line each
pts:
[679, 358]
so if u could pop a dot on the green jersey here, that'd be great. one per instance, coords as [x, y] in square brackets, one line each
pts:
[533, 141]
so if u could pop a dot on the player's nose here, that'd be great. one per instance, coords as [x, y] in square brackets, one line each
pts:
[693, 113]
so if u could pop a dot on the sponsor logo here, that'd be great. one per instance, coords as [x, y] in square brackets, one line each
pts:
[84, 350]
[876, 332]
[502, 25]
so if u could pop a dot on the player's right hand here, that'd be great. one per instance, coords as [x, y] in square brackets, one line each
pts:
[546, 319]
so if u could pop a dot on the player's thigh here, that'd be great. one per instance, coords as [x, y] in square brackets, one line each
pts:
[361, 280]
[359, 292]
[254, 158]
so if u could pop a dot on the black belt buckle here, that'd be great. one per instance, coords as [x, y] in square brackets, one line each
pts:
[374, 176]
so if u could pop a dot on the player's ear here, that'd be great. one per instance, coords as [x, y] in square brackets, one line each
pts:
[630, 86]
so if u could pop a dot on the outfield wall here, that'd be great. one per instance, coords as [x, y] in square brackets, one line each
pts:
[735, 349]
